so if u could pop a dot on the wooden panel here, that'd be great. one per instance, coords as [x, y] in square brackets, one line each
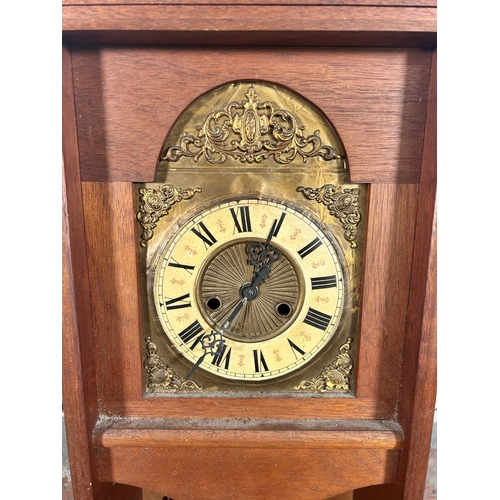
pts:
[386, 280]
[109, 224]
[127, 100]
[215, 473]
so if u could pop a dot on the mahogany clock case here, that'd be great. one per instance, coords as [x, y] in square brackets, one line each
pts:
[131, 121]
[119, 102]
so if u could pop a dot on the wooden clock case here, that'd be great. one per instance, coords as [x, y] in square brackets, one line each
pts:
[129, 69]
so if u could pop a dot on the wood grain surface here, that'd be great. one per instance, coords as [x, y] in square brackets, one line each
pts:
[113, 274]
[241, 18]
[249, 433]
[128, 99]
[231, 473]
[387, 268]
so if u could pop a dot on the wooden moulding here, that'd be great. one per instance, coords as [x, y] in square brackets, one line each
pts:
[306, 25]
[291, 459]
[248, 433]
[386, 3]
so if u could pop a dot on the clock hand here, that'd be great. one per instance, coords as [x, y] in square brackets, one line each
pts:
[213, 342]
[261, 256]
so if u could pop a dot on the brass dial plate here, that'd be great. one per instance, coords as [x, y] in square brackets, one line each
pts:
[308, 278]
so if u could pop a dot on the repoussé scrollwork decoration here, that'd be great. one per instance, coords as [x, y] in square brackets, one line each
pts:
[155, 203]
[161, 377]
[341, 202]
[335, 375]
[250, 131]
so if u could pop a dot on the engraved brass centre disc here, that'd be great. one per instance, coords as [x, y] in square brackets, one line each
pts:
[275, 307]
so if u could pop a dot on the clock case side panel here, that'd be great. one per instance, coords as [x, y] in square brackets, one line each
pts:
[79, 381]
[417, 394]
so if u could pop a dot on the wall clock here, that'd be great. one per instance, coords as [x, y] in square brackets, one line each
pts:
[251, 249]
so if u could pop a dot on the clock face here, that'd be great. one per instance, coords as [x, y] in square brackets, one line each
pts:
[264, 274]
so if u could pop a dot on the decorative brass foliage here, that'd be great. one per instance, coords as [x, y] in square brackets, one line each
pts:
[341, 202]
[334, 376]
[155, 203]
[250, 131]
[161, 377]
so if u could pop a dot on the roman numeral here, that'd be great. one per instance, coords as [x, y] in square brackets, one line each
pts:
[219, 358]
[278, 226]
[303, 252]
[324, 282]
[169, 303]
[190, 333]
[259, 361]
[241, 217]
[187, 268]
[296, 348]
[206, 236]
[317, 319]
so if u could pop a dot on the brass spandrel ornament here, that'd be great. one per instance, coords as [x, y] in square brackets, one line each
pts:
[248, 288]
[341, 202]
[155, 203]
[334, 377]
[160, 376]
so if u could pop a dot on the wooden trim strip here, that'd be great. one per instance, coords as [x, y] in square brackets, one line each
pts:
[151, 434]
[419, 366]
[282, 408]
[387, 3]
[245, 19]
[78, 382]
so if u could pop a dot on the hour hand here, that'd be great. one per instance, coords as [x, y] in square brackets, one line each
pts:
[262, 255]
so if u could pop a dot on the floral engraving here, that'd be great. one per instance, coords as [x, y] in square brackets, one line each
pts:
[154, 203]
[250, 131]
[161, 377]
[342, 203]
[334, 376]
